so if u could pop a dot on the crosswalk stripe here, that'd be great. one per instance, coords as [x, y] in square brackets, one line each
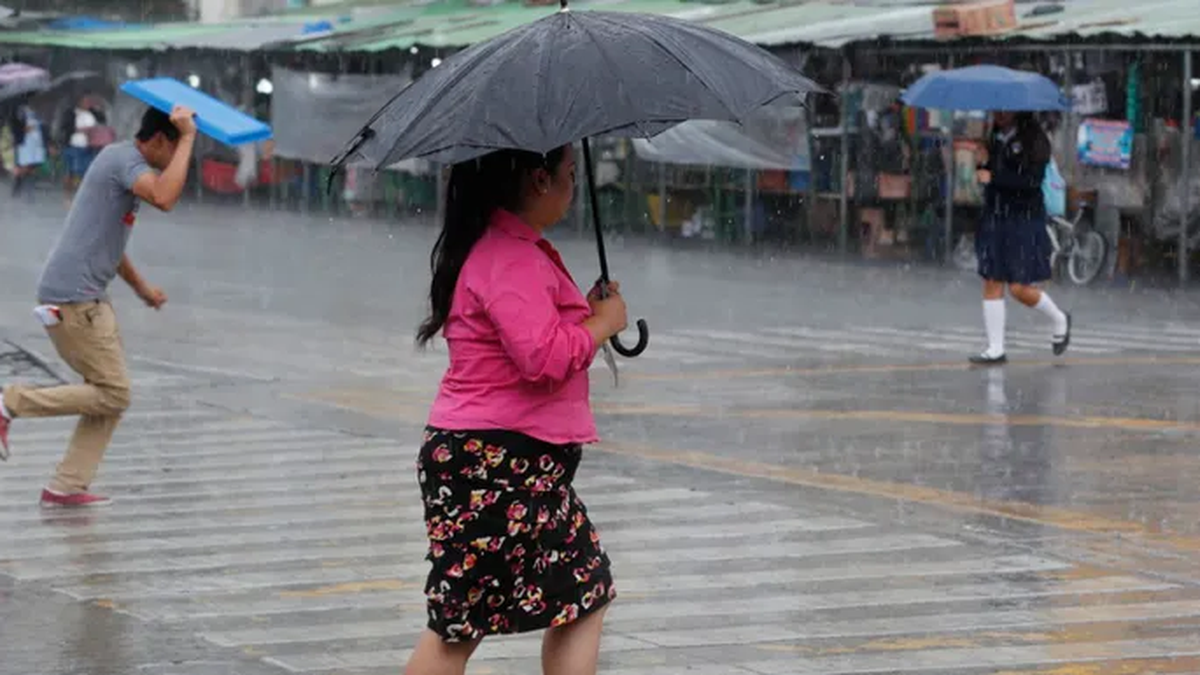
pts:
[138, 429]
[203, 439]
[183, 456]
[239, 374]
[194, 551]
[1115, 335]
[853, 343]
[138, 414]
[777, 343]
[937, 623]
[312, 455]
[631, 503]
[657, 562]
[1010, 339]
[1152, 333]
[731, 580]
[232, 606]
[865, 545]
[1108, 337]
[789, 343]
[322, 526]
[712, 346]
[952, 659]
[892, 598]
[938, 342]
[411, 544]
[358, 485]
[307, 470]
[972, 658]
[689, 669]
[523, 646]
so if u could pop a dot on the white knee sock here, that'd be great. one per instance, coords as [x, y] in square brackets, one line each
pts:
[1046, 306]
[4, 411]
[993, 321]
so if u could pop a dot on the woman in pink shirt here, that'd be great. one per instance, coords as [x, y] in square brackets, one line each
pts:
[510, 542]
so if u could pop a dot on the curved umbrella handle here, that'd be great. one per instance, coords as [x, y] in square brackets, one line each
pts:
[643, 341]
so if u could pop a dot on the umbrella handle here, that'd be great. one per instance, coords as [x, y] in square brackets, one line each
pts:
[643, 340]
[643, 329]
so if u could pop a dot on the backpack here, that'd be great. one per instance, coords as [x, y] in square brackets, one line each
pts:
[1054, 190]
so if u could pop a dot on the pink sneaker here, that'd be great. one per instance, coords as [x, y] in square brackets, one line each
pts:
[74, 500]
[4, 424]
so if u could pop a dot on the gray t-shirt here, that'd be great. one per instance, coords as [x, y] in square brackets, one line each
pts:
[90, 248]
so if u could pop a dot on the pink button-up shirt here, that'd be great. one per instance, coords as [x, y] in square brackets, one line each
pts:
[519, 356]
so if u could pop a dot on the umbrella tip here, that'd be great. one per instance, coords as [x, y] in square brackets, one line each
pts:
[562, 6]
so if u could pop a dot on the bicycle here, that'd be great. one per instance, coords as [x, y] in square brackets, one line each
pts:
[1084, 248]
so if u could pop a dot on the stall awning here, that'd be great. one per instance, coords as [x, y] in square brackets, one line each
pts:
[774, 139]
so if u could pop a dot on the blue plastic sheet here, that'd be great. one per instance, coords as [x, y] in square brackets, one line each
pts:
[214, 118]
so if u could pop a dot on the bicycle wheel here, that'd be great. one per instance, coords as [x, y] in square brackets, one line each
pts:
[1087, 257]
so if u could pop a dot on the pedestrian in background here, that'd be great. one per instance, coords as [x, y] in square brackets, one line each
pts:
[1012, 245]
[75, 307]
[511, 546]
[29, 143]
[85, 133]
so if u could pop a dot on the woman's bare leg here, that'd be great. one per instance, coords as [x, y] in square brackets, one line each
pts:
[434, 656]
[574, 649]
[1026, 295]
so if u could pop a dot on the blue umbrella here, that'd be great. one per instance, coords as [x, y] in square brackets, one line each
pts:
[985, 88]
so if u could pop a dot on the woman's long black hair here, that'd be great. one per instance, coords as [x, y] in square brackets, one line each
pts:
[1033, 136]
[477, 188]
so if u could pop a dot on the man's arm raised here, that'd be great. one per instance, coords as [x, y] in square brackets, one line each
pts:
[163, 191]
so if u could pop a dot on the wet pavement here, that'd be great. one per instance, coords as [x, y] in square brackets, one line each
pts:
[800, 475]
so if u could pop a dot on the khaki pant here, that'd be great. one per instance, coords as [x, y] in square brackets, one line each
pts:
[89, 341]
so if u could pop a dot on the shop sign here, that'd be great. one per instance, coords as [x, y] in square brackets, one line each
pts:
[1107, 143]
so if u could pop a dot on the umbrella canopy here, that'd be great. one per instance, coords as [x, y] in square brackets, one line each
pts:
[75, 76]
[20, 78]
[573, 75]
[985, 88]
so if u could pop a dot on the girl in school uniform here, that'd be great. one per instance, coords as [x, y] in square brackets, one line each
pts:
[1012, 244]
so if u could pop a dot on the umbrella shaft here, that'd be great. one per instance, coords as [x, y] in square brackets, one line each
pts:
[595, 202]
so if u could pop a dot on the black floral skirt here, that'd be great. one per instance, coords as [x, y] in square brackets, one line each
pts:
[510, 542]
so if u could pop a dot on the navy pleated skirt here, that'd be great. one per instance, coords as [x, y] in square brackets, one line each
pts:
[1012, 245]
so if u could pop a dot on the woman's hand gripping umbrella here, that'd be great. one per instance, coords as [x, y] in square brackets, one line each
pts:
[571, 76]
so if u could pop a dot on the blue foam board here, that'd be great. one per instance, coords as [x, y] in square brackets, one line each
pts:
[214, 118]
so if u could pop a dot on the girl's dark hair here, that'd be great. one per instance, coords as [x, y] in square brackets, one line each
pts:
[1034, 137]
[477, 188]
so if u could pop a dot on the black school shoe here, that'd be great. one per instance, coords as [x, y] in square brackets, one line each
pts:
[1061, 343]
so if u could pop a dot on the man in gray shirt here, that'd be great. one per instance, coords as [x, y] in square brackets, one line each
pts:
[73, 296]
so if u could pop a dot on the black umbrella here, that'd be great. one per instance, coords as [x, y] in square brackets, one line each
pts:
[571, 76]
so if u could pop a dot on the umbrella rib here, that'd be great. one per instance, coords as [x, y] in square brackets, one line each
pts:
[612, 68]
[438, 89]
[654, 39]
